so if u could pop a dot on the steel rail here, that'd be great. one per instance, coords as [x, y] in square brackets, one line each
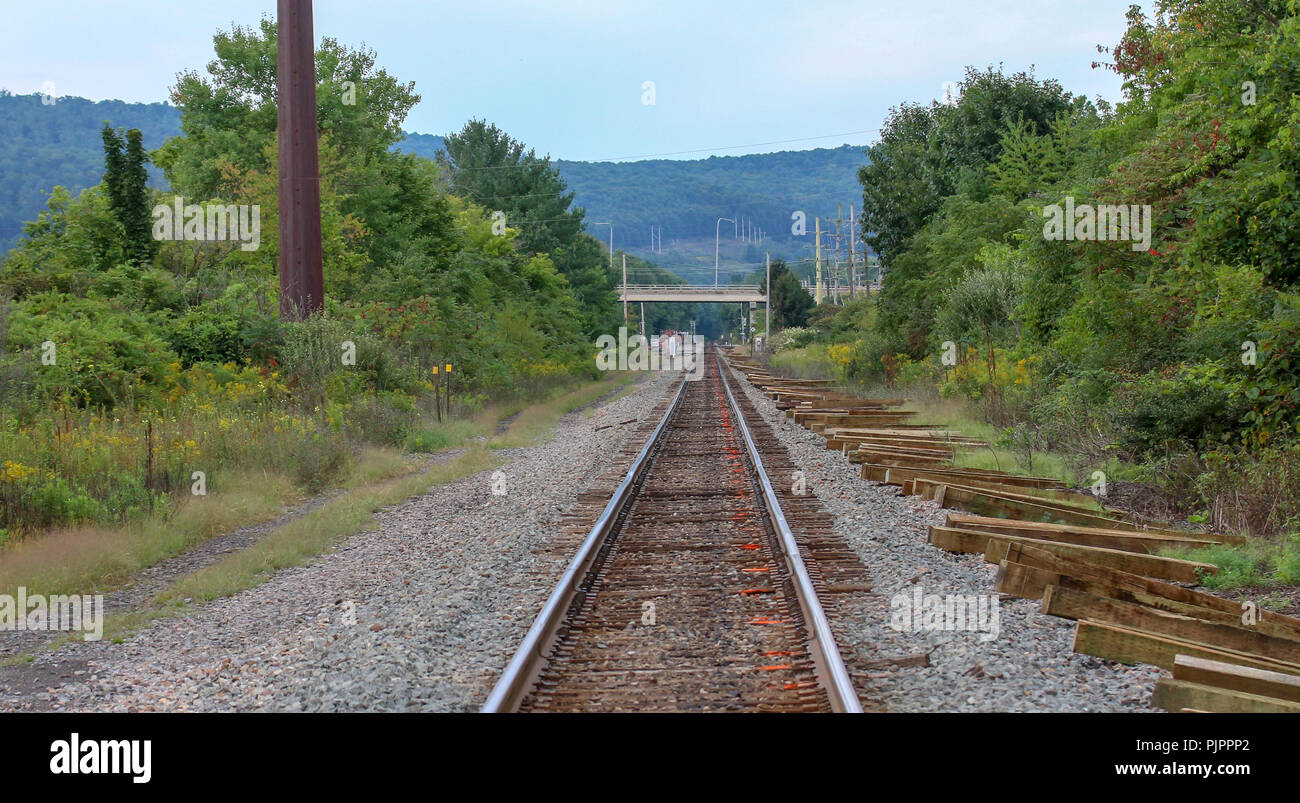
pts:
[521, 672]
[825, 652]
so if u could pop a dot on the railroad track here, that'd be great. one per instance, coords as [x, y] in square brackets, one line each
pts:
[689, 593]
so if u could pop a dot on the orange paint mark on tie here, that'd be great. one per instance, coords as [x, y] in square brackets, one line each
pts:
[800, 685]
[764, 569]
[770, 653]
[775, 667]
[751, 591]
[749, 546]
[765, 621]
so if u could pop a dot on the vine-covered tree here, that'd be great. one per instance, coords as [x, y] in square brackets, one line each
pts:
[126, 183]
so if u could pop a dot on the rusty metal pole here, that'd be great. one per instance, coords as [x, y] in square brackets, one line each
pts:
[302, 281]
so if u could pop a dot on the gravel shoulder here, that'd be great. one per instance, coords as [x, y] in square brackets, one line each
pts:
[420, 615]
[1027, 666]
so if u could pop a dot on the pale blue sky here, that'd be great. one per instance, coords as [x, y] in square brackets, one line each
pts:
[566, 76]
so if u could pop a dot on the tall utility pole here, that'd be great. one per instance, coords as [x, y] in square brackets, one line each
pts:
[853, 256]
[302, 280]
[835, 294]
[817, 291]
[839, 238]
[767, 308]
[717, 230]
[625, 289]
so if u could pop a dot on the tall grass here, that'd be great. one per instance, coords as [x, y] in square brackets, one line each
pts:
[92, 558]
[809, 362]
[69, 466]
[536, 422]
[297, 542]
[1258, 562]
[257, 462]
[1010, 449]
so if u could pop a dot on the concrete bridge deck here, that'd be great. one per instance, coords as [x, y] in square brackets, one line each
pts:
[686, 292]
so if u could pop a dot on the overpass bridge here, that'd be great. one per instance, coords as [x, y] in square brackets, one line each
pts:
[641, 293]
[686, 292]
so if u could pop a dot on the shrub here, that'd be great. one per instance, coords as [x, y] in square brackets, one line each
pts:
[794, 337]
[1181, 406]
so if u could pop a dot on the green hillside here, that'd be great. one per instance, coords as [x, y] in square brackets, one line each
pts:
[60, 144]
[685, 198]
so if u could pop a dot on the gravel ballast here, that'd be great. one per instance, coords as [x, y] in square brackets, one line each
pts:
[1028, 666]
[419, 615]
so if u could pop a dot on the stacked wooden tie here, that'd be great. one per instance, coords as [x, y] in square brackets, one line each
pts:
[1096, 566]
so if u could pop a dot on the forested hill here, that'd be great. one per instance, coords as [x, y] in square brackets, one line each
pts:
[60, 144]
[426, 145]
[685, 198]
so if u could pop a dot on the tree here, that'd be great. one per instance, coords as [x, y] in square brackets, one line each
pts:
[928, 153]
[897, 193]
[983, 301]
[114, 165]
[230, 116]
[491, 168]
[136, 215]
[126, 184]
[791, 304]
[227, 150]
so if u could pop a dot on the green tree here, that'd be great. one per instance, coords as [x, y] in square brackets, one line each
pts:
[984, 302]
[791, 304]
[126, 184]
[230, 115]
[114, 166]
[134, 211]
[491, 168]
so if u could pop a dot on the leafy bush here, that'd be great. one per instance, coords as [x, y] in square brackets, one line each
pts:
[103, 354]
[1182, 406]
[795, 337]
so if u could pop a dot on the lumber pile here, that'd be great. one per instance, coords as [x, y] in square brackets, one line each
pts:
[1099, 567]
